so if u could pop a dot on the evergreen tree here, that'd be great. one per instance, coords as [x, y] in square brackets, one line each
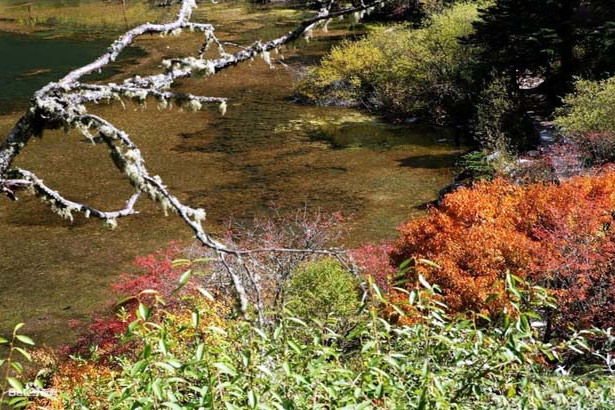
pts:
[553, 39]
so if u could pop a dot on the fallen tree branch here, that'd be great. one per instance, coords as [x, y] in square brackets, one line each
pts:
[62, 104]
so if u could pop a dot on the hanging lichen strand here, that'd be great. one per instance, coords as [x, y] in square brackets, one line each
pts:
[61, 104]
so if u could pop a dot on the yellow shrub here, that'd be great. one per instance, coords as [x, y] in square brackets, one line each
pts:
[401, 71]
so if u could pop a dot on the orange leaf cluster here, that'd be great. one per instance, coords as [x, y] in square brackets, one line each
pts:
[557, 236]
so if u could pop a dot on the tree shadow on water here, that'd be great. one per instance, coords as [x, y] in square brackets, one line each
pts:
[433, 161]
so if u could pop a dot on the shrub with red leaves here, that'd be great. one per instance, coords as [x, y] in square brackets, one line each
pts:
[372, 261]
[157, 274]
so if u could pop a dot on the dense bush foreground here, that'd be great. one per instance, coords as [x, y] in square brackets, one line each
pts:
[195, 357]
[479, 337]
[457, 326]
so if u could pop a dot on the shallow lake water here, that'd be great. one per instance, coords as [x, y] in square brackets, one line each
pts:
[267, 151]
[28, 63]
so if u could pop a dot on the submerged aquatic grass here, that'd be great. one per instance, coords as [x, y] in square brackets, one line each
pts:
[96, 16]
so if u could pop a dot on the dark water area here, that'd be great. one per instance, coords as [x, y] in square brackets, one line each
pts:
[267, 151]
[30, 62]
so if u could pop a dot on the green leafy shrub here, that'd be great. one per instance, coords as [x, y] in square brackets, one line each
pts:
[14, 392]
[345, 75]
[403, 72]
[440, 361]
[588, 117]
[322, 290]
[476, 165]
[500, 123]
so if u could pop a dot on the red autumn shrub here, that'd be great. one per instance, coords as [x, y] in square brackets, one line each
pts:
[557, 236]
[371, 260]
[156, 273]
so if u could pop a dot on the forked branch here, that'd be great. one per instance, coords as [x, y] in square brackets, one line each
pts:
[62, 104]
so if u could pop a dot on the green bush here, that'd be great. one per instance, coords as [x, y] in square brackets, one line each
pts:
[591, 108]
[438, 362]
[588, 117]
[323, 290]
[500, 123]
[401, 71]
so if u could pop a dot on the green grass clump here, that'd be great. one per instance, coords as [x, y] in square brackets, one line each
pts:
[321, 290]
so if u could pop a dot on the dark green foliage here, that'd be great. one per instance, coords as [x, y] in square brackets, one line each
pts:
[411, 11]
[475, 165]
[553, 39]
[500, 123]
[416, 12]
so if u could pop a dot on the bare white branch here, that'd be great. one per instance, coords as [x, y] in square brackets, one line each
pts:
[62, 104]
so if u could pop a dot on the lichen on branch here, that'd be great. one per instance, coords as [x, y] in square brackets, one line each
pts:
[63, 104]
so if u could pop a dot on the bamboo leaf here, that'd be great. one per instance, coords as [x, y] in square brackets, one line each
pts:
[157, 389]
[205, 293]
[24, 353]
[195, 319]
[225, 368]
[15, 384]
[252, 399]
[25, 339]
[180, 262]
[17, 366]
[200, 351]
[143, 312]
[424, 282]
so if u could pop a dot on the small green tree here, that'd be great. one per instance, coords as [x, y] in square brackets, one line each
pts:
[588, 117]
[500, 123]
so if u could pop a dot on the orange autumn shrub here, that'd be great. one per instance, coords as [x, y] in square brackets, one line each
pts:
[557, 236]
